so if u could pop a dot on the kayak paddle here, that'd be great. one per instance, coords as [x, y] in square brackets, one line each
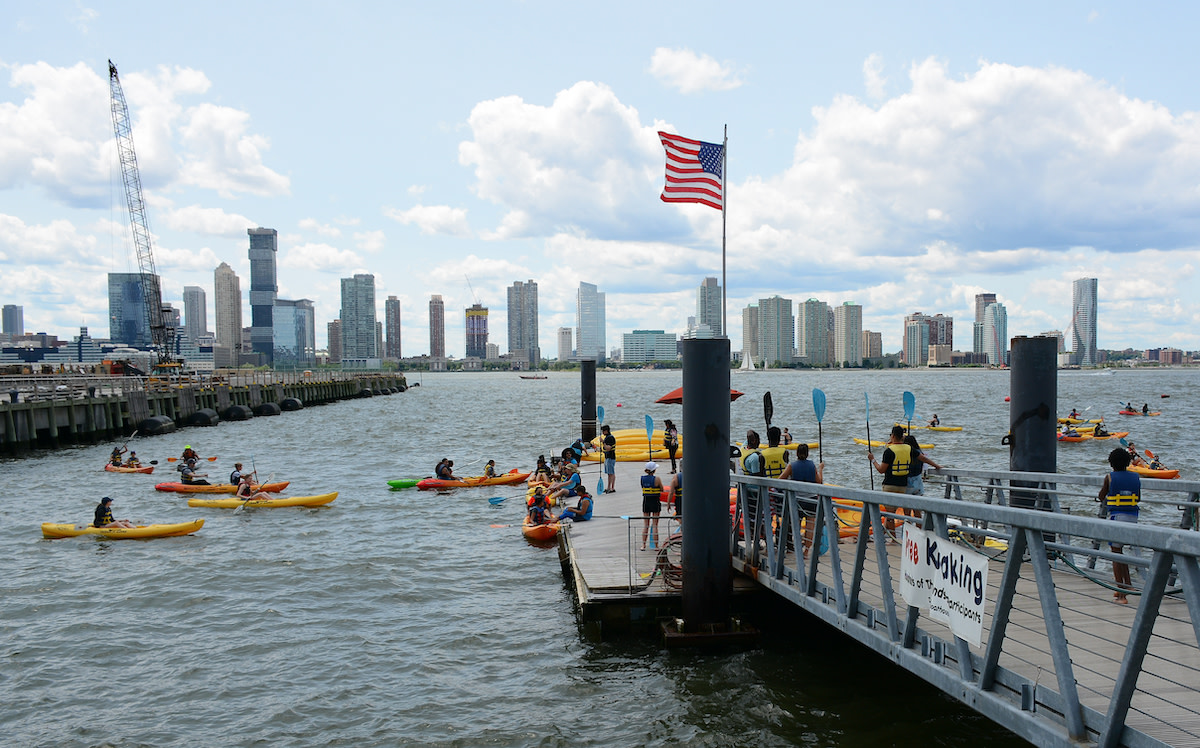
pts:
[176, 459]
[819, 412]
[649, 436]
[868, 412]
[768, 409]
[600, 414]
[910, 407]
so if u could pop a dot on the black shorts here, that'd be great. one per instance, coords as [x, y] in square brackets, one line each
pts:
[652, 504]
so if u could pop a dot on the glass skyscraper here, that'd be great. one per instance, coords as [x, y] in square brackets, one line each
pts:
[127, 323]
[1083, 321]
[590, 328]
[264, 246]
[358, 317]
[195, 313]
[523, 323]
[227, 304]
[295, 334]
[709, 307]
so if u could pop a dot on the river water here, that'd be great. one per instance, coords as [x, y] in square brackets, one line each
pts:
[404, 618]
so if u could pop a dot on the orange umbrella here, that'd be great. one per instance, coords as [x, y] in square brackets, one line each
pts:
[675, 396]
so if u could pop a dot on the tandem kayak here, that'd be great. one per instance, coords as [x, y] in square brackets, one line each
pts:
[56, 530]
[507, 479]
[540, 533]
[396, 485]
[1073, 421]
[1140, 413]
[274, 487]
[878, 443]
[931, 428]
[111, 468]
[282, 501]
[1113, 435]
[1150, 472]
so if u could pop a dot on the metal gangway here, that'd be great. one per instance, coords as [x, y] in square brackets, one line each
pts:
[1058, 662]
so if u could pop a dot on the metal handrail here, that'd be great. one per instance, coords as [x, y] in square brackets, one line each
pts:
[1056, 616]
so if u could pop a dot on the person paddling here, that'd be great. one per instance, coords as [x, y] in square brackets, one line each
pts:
[245, 490]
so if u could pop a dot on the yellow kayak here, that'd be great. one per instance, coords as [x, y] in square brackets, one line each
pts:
[635, 455]
[67, 530]
[931, 428]
[233, 503]
[877, 443]
[790, 445]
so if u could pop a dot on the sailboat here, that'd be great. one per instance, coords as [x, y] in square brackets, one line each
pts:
[747, 364]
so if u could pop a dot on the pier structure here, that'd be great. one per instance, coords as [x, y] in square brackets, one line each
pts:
[49, 411]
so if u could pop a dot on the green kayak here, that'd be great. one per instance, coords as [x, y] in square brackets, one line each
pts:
[396, 485]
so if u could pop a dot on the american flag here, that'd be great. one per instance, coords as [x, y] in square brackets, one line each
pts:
[693, 171]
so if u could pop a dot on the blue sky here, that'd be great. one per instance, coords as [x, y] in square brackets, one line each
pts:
[902, 156]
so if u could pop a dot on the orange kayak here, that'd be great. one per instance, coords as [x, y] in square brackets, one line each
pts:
[1150, 472]
[540, 533]
[111, 468]
[507, 479]
[275, 487]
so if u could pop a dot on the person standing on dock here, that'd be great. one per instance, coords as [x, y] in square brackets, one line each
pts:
[802, 469]
[652, 489]
[671, 441]
[895, 465]
[677, 494]
[608, 450]
[916, 481]
[1119, 496]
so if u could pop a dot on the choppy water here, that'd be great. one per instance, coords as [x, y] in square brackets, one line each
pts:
[392, 618]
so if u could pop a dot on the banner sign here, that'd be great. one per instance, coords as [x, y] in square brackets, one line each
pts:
[945, 578]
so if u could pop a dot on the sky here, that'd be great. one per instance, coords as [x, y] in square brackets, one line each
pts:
[903, 156]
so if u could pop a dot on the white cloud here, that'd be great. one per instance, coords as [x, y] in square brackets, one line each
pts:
[873, 77]
[433, 219]
[83, 17]
[224, 157]
[369, 241]
[689, 72]
[323, 258]
[208, 221]
[324, 229]
[417, 190]
[49, 244]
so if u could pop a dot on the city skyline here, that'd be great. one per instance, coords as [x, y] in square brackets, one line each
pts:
[940, 154]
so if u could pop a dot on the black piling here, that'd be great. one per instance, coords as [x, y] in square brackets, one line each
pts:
[1033, 420]
[587, 398]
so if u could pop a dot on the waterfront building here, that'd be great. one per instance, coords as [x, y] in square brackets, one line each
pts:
[709, 307]
[195, 313]
[477, 331]
[916, 340]
[847, 334]
[523, 346]
[127, 323]
[981, 303]
[359, 331]
[564, 344]
[228, 307]
[437, 327]
[776, 331]
[334, 344]
[264, 246]
[750, 335]
[812, 332]
[391, 315]
[872, 344]
[14, 320]
[590, 328]
[1083, 321]
[646, 346]
[995, 334]
[295, 334]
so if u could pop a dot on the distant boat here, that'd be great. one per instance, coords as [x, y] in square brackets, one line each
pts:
[533, 376]
[747, 364]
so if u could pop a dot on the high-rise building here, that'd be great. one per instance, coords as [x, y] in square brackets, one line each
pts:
[477, 330]
[847, 334]
[378, 337]
[334, 331]
[590, 326]
[228, 306]
[437, 327]
[264, 246]
[295, 336]
[872, 344]
[391, 315]
[916, 340]
[776, 331]
[127, 323]
[812, 332]
[564, 344]
[1083, 321]
[195, 313]
[359, 335]
[981, 303]
[995, 334]
[523, 324]
[646, 346]
[941, 330]
[750, 334]
[14, 320]
[709, 307]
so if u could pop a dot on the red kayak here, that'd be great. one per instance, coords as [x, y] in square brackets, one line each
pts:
[1140, 413]
[274, 487]
[507, 479]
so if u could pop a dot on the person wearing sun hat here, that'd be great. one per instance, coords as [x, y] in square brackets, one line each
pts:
[652, 489]
[570, 485]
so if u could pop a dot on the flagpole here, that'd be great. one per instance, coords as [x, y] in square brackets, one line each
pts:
[724, 198]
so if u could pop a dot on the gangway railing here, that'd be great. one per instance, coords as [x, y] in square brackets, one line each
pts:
[1057, 662]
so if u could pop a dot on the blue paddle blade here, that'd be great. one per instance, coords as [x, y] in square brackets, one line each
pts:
[868, 398]
[600, 414]
[649, 428]
[600, 486]
[818, 403]
[910, 405]
[497, 499]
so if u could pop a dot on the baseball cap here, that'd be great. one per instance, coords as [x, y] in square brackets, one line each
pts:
[651, 466]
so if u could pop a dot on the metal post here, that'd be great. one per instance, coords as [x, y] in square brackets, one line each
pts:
[587, 396]
[707, 573]
[1033, 405]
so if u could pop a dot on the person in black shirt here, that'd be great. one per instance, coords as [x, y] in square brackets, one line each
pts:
[104, 516]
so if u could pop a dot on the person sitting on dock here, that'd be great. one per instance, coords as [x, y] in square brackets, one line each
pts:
[580, 448]
[489, 470]
[934, 421]
[191, 477]
[104, 516]
[539, 513]
[582, 511]
[1119, 496]
[570, 485]
[115, 457]
[246, 492]
[133, 460]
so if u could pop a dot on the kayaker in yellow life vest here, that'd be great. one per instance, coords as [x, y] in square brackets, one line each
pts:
[895, 466]
[1119, 497]
[774, 456]
[104, 516]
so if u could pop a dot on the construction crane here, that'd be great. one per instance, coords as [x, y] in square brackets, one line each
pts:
[156, 316]
[473, 294]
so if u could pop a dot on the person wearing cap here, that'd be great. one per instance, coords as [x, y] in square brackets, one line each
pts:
[570, 485]
[104, 516]
[608, 448]
[235, 477]
[582, 511]
[652, 489]
[191, 477]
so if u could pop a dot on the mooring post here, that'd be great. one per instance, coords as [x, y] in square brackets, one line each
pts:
[1033, 420]
[587, 396]
[707, 573]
